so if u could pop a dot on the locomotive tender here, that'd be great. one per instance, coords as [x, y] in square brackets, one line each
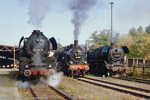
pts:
[108, 60]
[72, 60]
[35, 59]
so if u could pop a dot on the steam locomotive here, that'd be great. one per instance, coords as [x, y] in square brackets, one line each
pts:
[108, 60]
[72, 60]
[35, 56]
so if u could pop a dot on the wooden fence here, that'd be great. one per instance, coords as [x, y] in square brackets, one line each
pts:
[136, 63]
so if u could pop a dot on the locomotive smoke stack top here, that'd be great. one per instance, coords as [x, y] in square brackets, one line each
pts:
[36, 32]
[75, 43]
[112, 44]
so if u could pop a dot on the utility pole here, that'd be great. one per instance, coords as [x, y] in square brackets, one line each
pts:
[14, 58]
[111, 3]
[58, 43]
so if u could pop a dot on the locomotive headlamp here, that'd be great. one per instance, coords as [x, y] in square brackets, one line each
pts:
[27, 73]
[71, 62]
[27, 66]
[72, 68]
[50, 66]
[87, 68]
[37, 40]
[85, 62]
[51, 72]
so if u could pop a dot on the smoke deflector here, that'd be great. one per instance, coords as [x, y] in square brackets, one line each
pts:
[54, 43]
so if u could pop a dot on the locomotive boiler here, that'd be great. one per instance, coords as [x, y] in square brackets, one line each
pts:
[35, 59]
[108, 60]
[72, 60]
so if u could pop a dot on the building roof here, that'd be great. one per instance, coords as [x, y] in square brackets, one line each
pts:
[8, 51]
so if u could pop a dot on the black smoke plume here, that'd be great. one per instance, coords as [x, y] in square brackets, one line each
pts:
[80, 10]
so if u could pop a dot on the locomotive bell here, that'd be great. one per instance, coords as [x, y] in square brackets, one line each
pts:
[75, 43]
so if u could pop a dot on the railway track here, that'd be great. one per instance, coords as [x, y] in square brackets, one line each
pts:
[48, 93]
[144, 93]
[146, 81]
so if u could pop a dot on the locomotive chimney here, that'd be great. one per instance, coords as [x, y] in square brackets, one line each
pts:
[75, 43]
[36, 32]
[112, 44]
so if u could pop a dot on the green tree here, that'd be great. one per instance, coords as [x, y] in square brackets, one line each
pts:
[138, 47]
[140, 30]
[133, 32]
[137, 40]
[147, 29]
[141, 47]
[97, 39]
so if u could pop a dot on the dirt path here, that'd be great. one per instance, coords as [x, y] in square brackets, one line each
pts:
[8, 86]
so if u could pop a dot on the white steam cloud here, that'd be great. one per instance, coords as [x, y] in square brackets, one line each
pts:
[38, 9]
[80, 10]
[53, 80]
[37, 59]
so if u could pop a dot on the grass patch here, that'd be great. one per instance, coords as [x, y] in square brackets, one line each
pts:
[139, 73]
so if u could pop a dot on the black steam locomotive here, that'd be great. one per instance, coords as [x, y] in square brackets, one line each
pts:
[35, 56]
[72, 60]
[108, 60]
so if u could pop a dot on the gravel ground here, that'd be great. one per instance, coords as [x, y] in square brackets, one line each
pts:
[25, 93]
[84, 91]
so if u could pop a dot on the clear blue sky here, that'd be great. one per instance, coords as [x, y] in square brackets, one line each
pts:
[126, 14]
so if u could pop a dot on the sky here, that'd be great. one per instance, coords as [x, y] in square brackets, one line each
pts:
[57, 23]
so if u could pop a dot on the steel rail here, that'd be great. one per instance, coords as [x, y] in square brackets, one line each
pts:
[113, 86]
[146, 81]
[33, 93]
[121, 85]
[61, 93]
